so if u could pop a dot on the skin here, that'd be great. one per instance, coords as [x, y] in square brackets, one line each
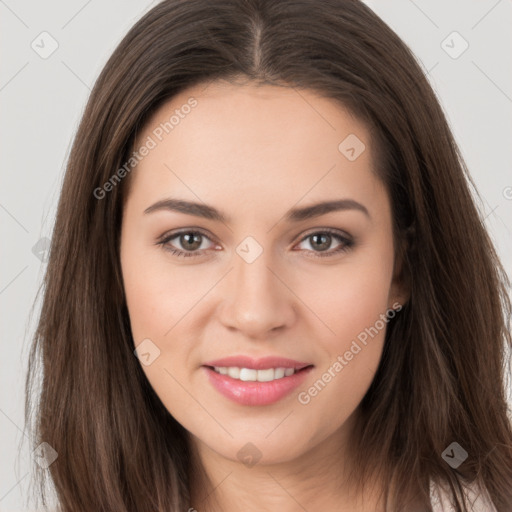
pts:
[254, 152]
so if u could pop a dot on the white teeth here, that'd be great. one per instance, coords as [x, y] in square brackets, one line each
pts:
[249, 374]
[266, 375]
[234, 372]
[279, 373]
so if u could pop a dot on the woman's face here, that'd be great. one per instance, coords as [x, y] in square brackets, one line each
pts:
[259, 270]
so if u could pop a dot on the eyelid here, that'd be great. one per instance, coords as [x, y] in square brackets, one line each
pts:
[174, 233]
[330, 231]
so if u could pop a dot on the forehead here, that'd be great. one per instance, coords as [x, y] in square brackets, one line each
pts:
[258, 142]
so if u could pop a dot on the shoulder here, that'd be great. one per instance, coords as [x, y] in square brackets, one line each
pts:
[477, 498]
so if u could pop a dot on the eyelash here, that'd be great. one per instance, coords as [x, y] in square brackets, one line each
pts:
[346, 242]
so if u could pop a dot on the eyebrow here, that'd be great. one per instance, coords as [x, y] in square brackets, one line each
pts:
[293, 215]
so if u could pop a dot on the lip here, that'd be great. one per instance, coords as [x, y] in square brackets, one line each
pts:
[254, 392]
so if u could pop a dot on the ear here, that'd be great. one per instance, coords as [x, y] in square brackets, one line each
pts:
[400, 289]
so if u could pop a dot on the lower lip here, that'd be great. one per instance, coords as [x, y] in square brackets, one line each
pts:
[253, 392]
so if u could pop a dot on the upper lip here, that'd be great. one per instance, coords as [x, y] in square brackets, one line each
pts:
[258, 364]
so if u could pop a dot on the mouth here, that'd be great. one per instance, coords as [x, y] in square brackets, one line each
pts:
[256, 383]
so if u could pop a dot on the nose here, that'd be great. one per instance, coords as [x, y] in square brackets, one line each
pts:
[256, 300]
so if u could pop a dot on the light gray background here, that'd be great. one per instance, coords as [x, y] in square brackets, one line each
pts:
[42, 101]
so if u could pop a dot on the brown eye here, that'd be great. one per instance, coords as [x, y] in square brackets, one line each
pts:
[190, 241]
[321, 241]
[186, 243]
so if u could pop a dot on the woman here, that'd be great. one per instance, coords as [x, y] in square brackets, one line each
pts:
[268, 277]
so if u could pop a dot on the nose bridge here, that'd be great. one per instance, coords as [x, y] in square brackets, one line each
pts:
[256, 301]
[253, 278]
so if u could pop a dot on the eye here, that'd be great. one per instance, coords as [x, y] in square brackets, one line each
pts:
[191, 242]
[322, 240]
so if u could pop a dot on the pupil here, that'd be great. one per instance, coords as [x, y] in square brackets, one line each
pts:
[189, 237]
[326, 239]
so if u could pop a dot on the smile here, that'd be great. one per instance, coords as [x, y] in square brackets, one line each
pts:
[249, 374]
[256, 381]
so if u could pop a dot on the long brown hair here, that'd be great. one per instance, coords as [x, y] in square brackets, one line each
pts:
[441, 376]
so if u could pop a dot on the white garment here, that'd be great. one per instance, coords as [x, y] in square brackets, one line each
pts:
[478, 501]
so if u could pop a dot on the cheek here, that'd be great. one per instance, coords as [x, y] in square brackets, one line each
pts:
[156, 303]
[352, 302]
[350, 298]
[156, 293]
